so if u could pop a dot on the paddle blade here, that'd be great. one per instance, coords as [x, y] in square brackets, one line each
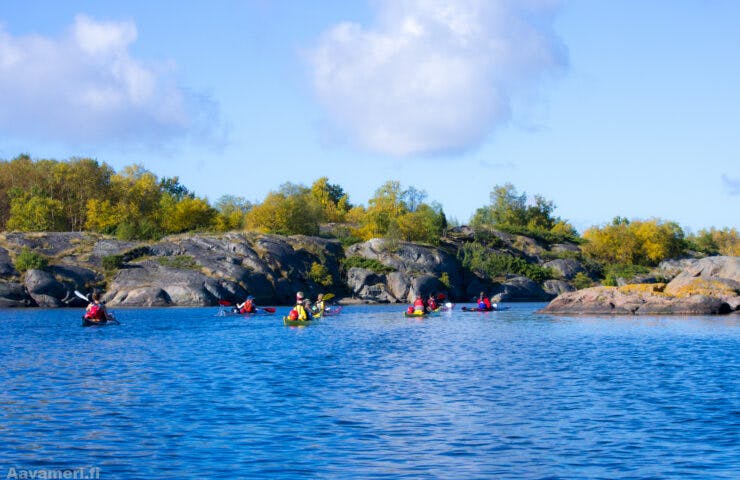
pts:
[224, 303]
[82, 296]
[269, 309]
[328, 296]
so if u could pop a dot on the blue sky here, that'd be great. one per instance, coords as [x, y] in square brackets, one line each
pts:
[626, 108]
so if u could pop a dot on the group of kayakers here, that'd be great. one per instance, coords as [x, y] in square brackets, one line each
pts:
[304, 310]
[424, 306]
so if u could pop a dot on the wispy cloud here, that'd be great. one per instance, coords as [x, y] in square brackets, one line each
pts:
[85, 86]
[433, 76]
[731, 184]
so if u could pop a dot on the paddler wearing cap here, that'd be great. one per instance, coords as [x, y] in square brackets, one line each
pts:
[248, 306]
[300, 307]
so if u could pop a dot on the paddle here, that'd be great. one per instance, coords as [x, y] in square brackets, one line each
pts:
[82, 296]
[226, 303]
[328, 296]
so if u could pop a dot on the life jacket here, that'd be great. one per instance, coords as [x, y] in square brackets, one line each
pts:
[248, 307]
[293, 314]
[317, 309]
[95, 312]
[418, 304]
[410, 309]
[431, 304]
[303, 314]
[481, 304]
[487, 303]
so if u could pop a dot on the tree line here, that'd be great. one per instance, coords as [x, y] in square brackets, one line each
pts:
[84, 194]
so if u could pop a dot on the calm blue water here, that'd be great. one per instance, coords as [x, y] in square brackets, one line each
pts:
[179, 393]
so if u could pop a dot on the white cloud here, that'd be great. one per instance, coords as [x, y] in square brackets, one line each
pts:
[85, 86]
[433, 76]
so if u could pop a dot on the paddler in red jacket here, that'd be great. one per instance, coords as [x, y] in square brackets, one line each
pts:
[483, 302]
[419, 304]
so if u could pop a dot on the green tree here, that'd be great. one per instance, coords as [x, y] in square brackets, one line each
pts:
[29, 259]
[231, 213]
[724, 241]
[426, 224]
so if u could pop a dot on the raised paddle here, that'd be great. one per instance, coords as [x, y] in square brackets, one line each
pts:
[328, 296]
[82, 296]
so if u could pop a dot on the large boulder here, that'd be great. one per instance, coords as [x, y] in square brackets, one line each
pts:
[417, 269]
[45, 290]
[520, 289]
[150, 283]
[645, 299]
[202, 269]
[53, 244]
[14, 294]
[7, 269]
[712, 276]
[556, 287]
[566, 268]
[369, 286]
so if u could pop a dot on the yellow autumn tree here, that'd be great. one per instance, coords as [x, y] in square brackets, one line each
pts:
[636, 243]
[287, 212]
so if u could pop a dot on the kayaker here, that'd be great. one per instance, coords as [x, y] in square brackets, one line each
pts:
[318, 307]
[432, 303]
[419, 304]
[483, 302]
[95, 311]
[248, 306]
[300, 307]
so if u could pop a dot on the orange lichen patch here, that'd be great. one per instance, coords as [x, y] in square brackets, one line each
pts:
[652, 288]
[700, 286]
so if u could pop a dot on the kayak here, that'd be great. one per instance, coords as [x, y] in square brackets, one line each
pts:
[297, 323]
[330, 311]
[476, 309]
[421, 314]
[230, 312]
[87, 322]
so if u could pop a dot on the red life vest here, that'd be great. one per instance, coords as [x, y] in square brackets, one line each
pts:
[96, 312]
[248, 307]
[487, 303]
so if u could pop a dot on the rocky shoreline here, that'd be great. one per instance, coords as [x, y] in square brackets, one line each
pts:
[201, 269]
[702, 287]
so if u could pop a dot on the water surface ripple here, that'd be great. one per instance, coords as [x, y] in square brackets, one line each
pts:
[179, 393]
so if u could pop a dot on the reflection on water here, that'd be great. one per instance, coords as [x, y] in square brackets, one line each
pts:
[177, 392]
